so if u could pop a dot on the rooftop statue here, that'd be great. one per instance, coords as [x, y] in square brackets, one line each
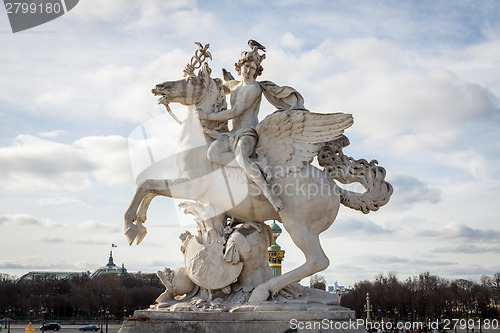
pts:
[237, 177]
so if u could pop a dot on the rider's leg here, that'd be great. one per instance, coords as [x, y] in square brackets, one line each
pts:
[219, 152]
[244, 149]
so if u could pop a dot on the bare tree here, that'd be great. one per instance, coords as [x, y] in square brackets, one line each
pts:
[318, 282]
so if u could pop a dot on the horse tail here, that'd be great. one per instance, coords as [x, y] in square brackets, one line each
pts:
[347, 170]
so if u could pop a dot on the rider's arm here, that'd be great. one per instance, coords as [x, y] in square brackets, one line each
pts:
[244, 103]
[234, 112]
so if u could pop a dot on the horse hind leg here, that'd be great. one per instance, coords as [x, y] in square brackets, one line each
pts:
[316, 261]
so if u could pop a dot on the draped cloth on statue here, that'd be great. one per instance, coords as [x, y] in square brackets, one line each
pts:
[283, 98]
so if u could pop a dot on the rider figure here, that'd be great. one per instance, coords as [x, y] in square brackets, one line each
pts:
[245, 104]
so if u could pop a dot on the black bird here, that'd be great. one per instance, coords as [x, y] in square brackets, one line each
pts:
[255, 44]
[227, 75]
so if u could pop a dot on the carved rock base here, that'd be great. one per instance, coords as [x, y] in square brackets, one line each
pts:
[267, 317]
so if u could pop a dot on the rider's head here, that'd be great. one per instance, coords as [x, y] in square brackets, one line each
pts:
[251, 56]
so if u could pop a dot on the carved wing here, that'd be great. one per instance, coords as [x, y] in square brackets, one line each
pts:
[291, 139]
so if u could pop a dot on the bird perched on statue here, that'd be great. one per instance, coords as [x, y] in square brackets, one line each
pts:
[256, 45]
[227, 75]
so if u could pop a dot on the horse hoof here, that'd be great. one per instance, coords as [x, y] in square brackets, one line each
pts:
[141, 233]
[131, 233]
[259, 295]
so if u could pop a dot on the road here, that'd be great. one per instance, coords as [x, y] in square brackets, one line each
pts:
[21, 328]
[113, 328]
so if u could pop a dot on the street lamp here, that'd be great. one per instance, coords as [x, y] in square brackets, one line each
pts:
[368, 307]
[480, 320]
[42, 312]
[107, 317]
[10, 315]
[101, 318]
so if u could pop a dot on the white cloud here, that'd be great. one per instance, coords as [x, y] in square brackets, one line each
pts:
[109, 155]
[49, 238]
[406, 106]
[456, 232]
[468, 249]
[143, 14]
[125, 91]
[51, 134]
[20, 220]
[410, 191]
[26, 220]
[289, 41]
[25, 264]
[476, 62]
[32, 162]
[357, 228]
[95, 226]
[38, 163]
[55, 201]
[57, 97]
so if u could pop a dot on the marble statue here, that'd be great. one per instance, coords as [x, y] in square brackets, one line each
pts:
[237, 177]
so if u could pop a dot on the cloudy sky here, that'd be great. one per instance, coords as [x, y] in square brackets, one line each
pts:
[422, 79]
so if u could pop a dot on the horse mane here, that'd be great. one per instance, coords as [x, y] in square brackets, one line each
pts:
[220, 104]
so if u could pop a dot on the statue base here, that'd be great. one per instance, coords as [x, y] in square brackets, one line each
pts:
[266, 317]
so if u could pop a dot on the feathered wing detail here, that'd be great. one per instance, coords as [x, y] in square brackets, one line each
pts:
[291, 139]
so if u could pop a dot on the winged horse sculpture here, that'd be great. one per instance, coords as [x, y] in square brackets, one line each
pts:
[290, 139]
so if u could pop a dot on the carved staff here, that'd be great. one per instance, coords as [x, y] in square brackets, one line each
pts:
[198, 59]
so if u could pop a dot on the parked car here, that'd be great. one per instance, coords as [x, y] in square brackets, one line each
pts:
[89, 328]
[51, 327]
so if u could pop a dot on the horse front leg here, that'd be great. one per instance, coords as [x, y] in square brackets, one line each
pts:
[131, 229]
[136, 213]
[142, 216]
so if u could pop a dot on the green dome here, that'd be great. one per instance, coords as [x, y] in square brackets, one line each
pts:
[275, 227]
[110, 269]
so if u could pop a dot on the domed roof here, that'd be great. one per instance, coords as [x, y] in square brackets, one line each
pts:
[110, 269]
[275, 227]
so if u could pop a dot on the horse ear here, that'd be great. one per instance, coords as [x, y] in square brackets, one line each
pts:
[205, 72]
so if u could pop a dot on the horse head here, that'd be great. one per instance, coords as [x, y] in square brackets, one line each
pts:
[200, 90]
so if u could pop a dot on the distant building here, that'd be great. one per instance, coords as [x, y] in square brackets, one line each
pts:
[111, 269]
[6, 277]
[339, 290]
[46, 276]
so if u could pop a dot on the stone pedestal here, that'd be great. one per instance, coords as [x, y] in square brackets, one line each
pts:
[269, 318]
